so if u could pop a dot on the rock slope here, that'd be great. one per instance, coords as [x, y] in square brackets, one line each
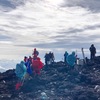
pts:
[56, 82]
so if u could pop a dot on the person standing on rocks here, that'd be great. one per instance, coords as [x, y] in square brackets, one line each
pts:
[47, 59]
[92, 52]
[71, 59]
[65, 57]
[35, 52]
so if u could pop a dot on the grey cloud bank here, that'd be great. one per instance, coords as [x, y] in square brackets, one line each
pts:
[48, 26]
[92, 5]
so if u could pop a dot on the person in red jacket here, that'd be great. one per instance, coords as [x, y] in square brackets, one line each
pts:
[37, 65]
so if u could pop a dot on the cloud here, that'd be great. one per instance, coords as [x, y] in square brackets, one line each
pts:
[92, 5]
[8, 5]
[4, 37]
[47, 27]
[86, 28]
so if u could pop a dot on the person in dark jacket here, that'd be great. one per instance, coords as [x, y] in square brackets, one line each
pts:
[51, 57]
[47, 59]
[92, 52]
[35, 52]
[65, 57]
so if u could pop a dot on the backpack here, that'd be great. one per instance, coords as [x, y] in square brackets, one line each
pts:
[71, 59]
[20, 70]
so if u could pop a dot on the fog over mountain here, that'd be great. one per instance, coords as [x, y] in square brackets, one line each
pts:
[48, 25]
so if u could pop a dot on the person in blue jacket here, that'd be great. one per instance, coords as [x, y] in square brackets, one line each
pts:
[20, 70]
[28, 62]
[71, 59]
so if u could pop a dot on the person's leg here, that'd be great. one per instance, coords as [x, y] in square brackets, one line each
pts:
[91, 56]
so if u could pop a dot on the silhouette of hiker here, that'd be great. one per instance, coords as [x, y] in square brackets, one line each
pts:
[35, 52]
[65, 57]
[47, 58]
[51, 57]
[92, 52]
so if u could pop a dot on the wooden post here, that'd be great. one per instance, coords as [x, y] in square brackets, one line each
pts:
[83, 55]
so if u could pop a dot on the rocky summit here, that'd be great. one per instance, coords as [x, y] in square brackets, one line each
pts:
[56, 82]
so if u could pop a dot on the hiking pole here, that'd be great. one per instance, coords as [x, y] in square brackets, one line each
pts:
[23, 79]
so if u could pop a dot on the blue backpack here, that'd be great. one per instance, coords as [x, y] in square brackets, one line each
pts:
[20, 70]
[71, 59]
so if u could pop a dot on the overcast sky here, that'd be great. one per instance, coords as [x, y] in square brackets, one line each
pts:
[48, 25]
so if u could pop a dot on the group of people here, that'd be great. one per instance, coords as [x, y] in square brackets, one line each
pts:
[28, 67]
[49, 58]
[71, 59]
[33, 65]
